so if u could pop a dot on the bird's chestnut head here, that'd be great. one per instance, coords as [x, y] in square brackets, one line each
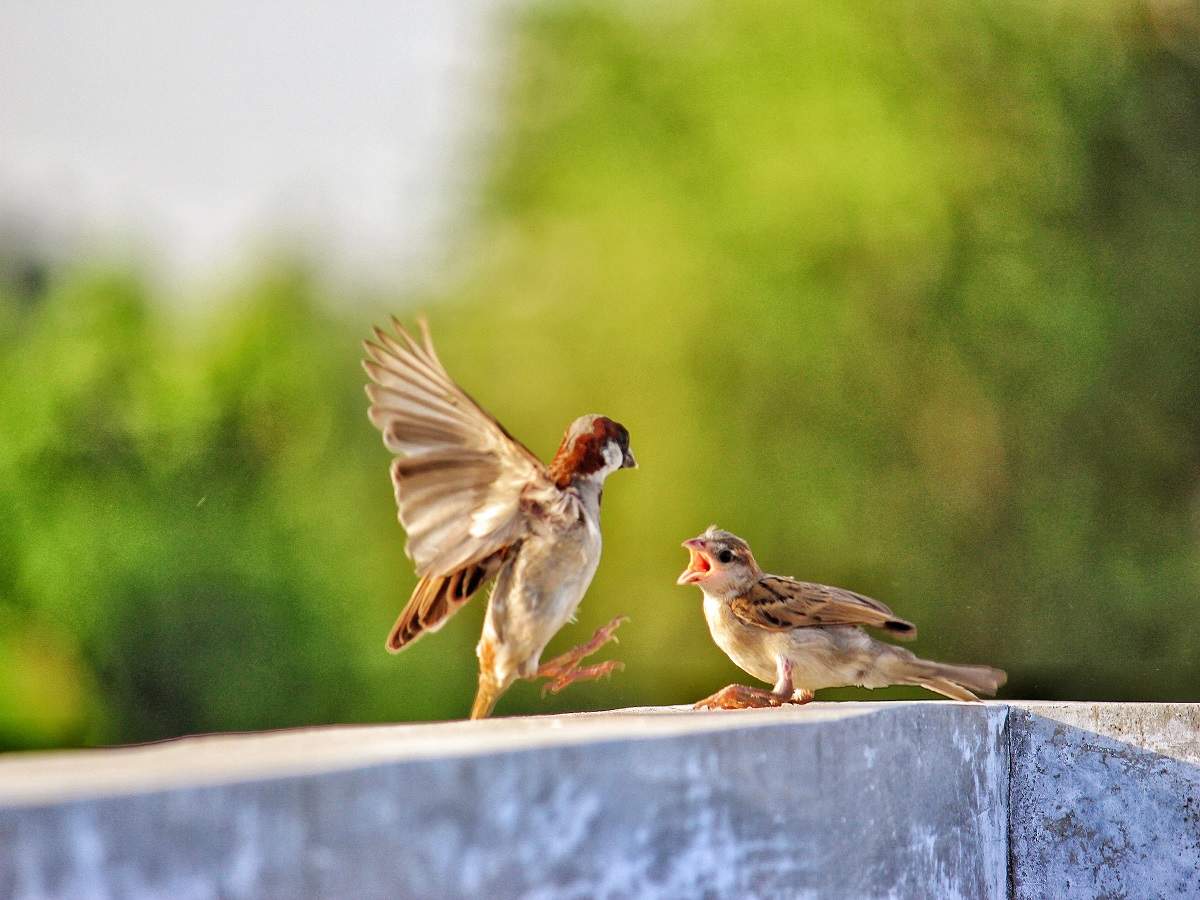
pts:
[593, 448]
[721, 563]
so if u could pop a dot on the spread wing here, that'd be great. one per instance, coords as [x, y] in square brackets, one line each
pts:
[462, 481]
[781, 604]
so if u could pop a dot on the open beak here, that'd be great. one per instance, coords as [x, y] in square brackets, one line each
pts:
[698, 566]
[629, 462]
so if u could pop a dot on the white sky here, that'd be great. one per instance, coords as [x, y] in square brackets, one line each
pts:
[192, 135]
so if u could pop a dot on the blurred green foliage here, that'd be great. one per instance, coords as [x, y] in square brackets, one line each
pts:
[908, 295]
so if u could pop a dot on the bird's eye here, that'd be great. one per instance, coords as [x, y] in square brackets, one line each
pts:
[725, 556]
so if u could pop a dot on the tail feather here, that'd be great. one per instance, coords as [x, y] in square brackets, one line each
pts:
[438, 597]
[957, 682]
[950, 689]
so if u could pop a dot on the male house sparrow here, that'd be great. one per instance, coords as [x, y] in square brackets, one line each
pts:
[803, 637]
[478, 505]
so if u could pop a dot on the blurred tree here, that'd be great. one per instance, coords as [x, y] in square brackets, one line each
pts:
[185, 550]
[907, 295]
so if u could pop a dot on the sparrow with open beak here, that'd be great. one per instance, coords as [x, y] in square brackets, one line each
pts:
[479, 506]
[802, 637]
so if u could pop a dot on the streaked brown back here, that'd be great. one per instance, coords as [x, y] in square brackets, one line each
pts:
[776, 603]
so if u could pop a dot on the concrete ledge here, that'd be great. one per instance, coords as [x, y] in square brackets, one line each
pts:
[836, 800]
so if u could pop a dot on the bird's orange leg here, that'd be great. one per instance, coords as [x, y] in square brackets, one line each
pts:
[565, 669]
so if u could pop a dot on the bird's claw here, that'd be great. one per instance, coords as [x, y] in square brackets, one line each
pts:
[740, 696]
[565, 669]
[571, 659]
[587, 673]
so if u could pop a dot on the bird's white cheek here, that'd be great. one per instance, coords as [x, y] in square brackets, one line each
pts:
[721, 582]
[613, 458]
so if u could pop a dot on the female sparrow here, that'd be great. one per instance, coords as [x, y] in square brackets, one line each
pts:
[478, 505]
[803, 637]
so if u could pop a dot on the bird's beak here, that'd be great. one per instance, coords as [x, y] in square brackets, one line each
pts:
[629, 462]
[698, 566]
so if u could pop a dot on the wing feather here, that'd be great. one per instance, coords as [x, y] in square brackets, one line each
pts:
[777, 603]
[461, 480]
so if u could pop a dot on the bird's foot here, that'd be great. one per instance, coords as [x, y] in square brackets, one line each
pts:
[740, 696]
[586, 673]
[565, 669]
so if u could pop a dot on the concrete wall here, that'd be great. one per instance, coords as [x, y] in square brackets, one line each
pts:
[1105, 800]
[830, 800]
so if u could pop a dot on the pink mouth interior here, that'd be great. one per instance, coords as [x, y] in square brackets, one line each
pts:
[699, 562]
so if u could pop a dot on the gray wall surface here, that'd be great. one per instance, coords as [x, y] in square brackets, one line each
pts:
[832, 800]
[1105, 801]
